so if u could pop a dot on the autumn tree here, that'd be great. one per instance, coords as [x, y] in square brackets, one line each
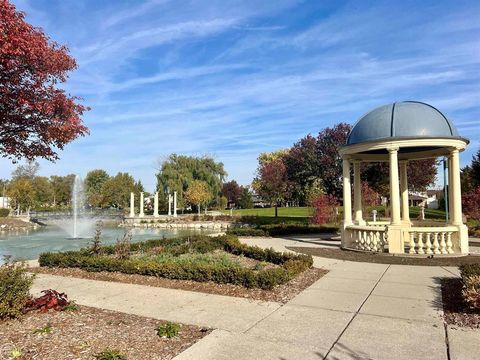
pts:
[273, 183]
[329, 142]
[28, 170]
[37, 116]
[61, 189]
[21, 194]
[197, 194]
[324, 209]
[232, 191]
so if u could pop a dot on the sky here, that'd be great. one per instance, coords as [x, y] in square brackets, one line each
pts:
[232, 79]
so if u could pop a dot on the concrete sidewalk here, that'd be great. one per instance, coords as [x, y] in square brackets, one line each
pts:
[356, 311]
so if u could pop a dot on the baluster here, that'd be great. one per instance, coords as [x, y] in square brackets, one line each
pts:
[420, 243]
[435, 243]
[428, 244]
[449, 243]
[412, 243]
[368, 234]
[376, 240]
[443, 245]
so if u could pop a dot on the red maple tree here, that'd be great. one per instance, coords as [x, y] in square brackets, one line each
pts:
[36, 117]
[324, 207]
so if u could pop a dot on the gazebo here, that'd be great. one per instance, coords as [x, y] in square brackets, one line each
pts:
[397, 133]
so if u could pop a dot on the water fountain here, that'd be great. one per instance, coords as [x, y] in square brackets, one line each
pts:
[81, 224]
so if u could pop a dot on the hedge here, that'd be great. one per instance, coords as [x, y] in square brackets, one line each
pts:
[284, 229]
[290, 264]
[4, 212]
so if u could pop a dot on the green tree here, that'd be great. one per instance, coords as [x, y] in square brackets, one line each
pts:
[62, 189]
[116, 190]
[197, 194]
[94, 182]
[43, 191]
[246, 201]
[179, 171]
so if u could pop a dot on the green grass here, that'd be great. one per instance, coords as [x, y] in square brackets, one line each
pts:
[282, 212]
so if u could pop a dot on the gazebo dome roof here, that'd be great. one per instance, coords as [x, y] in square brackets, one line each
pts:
[406, 119]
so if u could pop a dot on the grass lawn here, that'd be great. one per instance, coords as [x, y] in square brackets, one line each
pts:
[282, 212]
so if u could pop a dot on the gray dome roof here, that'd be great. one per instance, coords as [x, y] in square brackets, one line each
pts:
[411, 119]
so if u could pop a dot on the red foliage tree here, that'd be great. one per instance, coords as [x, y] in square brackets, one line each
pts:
[329, 142]
[232, 191]
[471, 203]
[369, 196]
[36, 117]
[273, 182]
[324, 209]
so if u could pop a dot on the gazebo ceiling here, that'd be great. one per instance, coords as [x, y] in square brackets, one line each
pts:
[407, 119]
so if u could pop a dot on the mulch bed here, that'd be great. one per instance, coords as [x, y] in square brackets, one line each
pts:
[83, 333]
[281, 293]
[455, 310]
[386, 259]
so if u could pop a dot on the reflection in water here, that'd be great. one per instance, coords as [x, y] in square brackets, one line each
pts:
[29, 244]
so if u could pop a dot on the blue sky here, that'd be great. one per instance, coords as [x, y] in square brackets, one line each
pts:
[235, 78]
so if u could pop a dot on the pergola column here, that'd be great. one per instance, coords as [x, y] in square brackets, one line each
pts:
[456, 191]
[347, 194]
[155, 205]
[394, 186]
[404, 192]
[132, 204]
[357, 193]
[142, 214]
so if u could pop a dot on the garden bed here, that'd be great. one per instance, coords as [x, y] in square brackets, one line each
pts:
[221, 260]
[386, 258]
[455, 309]
[280, 293]
[88, 331]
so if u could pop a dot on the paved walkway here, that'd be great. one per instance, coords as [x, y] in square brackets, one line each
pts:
[356, 311]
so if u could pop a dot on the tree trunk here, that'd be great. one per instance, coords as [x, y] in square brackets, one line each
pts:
[198, 209]
[276, 210]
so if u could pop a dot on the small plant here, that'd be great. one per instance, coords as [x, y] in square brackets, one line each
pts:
[15, 285]
[51, 299]
[122, 246]
[84, 345]
[72, 306]
[47, 329]
[15, 353]
[95, 247]
[168, 330]
[111, 355]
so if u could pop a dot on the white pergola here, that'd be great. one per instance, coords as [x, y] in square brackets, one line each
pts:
[402, 132]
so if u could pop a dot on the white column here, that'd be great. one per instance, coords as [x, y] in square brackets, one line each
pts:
[456, 191]
[394, 186]
[404, 191]
[357, 193]
[132, 204]
[347, 194]
[175, 204]
[155, 205]
[450, 190]
[141, 205]
[169, 205]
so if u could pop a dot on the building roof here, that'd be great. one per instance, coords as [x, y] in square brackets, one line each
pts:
[406, 119]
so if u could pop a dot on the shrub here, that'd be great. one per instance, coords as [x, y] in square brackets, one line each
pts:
[4, 212]
[247, 232]
[168, 330]
[193, 265]
[111, 355]
[96, 244]
[122, 246]
[324, 209]
[15, 285]
[471, 285]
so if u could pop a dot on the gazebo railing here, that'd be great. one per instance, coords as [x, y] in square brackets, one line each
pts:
[366, 238]
[431, 240]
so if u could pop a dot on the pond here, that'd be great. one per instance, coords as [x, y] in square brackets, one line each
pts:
[28, 245]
